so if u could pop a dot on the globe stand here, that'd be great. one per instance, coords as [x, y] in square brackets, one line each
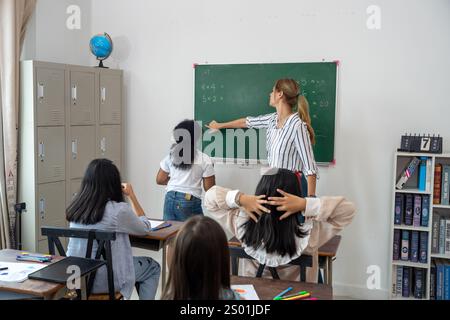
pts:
[100, 65]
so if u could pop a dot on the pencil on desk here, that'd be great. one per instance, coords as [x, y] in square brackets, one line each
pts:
[298, 297]
[290, 296]
[282, 293]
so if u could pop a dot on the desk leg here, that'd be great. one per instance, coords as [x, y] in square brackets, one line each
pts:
[325, 271]
[330, 270]
[163, 273]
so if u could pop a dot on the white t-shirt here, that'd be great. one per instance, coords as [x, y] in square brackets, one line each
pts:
[188, 181]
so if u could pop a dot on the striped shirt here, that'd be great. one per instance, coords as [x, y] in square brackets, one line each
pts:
[288, 147]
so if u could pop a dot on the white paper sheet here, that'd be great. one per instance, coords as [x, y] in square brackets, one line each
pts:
[18, 272]
[246, 291]
[155, 223]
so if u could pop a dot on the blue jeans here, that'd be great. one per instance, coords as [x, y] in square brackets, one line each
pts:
[147, 273]
[178, 208]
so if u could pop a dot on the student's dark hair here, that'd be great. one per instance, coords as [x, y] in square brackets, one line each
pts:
[200, 262]
[269, 232]
[101, 183]
[182, 150]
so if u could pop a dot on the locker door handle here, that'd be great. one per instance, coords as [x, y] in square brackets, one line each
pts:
[41, 151]
[103, 145]
[103, 94]
[74, 95]
[42, 208]
[41, 92]
[74, 148]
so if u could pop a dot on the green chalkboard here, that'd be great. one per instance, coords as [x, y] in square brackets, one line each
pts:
[228, 92]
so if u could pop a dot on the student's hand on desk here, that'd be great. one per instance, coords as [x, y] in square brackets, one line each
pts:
[127, 189]
[253, 205]
[289, 203]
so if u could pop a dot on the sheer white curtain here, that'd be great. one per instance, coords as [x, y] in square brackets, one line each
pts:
[14, 15]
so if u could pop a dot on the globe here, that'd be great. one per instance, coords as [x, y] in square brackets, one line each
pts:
[101, 47]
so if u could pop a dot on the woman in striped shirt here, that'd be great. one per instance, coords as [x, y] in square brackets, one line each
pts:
[290, 135]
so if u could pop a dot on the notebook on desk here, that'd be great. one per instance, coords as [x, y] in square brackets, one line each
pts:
[158, 224]
[59, 272]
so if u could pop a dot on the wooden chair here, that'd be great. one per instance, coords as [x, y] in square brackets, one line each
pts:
[103, 239]
[237, 252]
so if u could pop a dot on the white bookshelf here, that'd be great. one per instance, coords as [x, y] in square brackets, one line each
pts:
[440, 206]
[440, 256]
[411, 228]
[400, 161]
[416, 191]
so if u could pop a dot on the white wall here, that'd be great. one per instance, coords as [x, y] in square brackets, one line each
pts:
[392, 81]
[48, 37]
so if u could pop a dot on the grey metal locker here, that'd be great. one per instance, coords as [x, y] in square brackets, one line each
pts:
[51, 205]
[74, 188]
[110, 144]
[50, 96]
[110, 98]
[51, 154]
[82, 149]
[66, 120]
[82, 98]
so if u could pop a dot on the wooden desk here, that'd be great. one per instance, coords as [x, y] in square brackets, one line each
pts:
[157, 240]
[327, 254]
[267, 289]
[41, 289]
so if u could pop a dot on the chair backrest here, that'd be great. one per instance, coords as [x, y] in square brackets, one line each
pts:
[103, 239]
[237, 251]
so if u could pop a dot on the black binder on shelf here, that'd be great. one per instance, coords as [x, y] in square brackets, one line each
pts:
[59, 272]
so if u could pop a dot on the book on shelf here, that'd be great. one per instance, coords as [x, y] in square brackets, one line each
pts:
[399, 289]
[446, 281]
[423, 247]
[396, 245]
[419, 283]
[425, 211]
[437, 184]
[433, 280]
[407, 172]
[445, 180]
[404, 255]
[447, 237]
[429, 174]
[417, 210]
[406, 283]
[442, 226]
[414, 246]
[399, 202]
[439, 279]
[409, 208]
[435, 234]
[422, 173]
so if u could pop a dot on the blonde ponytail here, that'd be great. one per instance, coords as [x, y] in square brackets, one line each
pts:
[303, 113]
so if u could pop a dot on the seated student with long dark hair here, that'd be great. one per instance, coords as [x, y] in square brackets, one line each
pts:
[100, 204]
[199, 263]
[268, 226]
